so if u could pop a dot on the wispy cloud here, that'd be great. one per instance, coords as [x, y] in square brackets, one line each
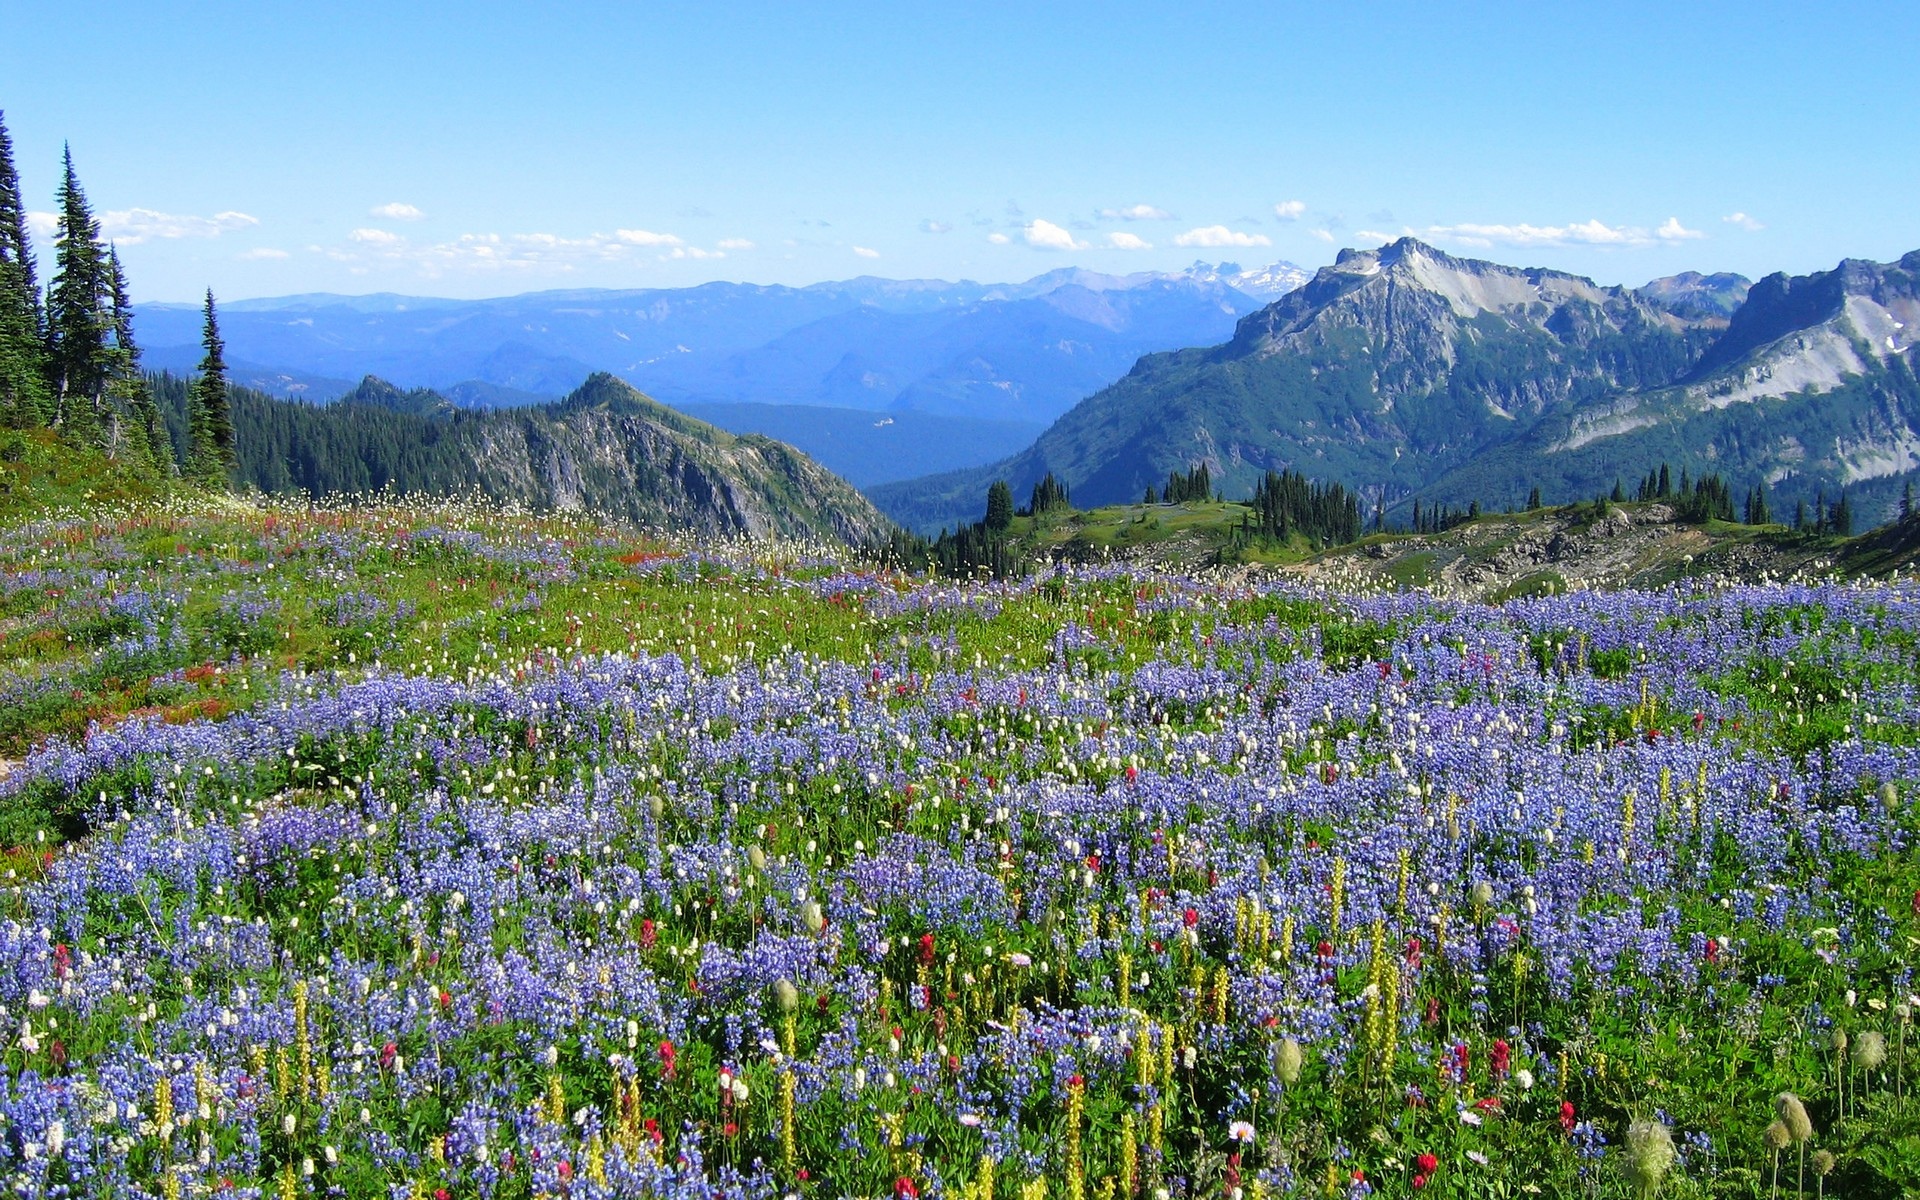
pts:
[1325, 235]
[1119, 240]
[131, 226]
[932, 226]
[866, 252]
[396, 212]
[1583, 233]
[264, 253]
[646, 237]
[1741, 220]
[1217, 236]
[1290, 210]
[1372, 235]
[43, 224]
[516, 251]
[1045, 235]
[998, 239]
[1135, 212]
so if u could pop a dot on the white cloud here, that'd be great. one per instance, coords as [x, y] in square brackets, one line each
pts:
[260, 253]
[43, 224]
[1582, 233]
[1741, 220]
[735, 244]
[1045, 235]
[1290, 210]
[1373, 235]
[1127, 241]
[998, 239]
[1135, 212]
[932, 226]
[645, 237]
[866, 252]
[1324, 235]
[397, 212]
[1216, 236]
[376, 237]
[131, 226]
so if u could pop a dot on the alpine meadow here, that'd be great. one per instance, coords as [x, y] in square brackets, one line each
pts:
[782, 604]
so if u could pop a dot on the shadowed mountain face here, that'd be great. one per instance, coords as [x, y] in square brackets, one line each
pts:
[605, 449]
[1406, 372]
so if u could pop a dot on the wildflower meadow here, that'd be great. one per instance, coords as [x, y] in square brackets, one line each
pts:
[441, 852]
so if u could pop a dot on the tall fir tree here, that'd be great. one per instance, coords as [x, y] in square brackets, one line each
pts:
[78, 324]
[136, 416]
[23, 391]
[212, 423]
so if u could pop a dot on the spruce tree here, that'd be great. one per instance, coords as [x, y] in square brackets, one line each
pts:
[23, 390]
[212, 421]
[133, 399]
[1906, 500]
[999, 506]
[77, 324]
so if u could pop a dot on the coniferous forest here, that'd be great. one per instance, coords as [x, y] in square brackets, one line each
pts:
[68, 360]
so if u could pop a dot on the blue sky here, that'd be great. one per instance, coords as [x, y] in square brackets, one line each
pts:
[483, 149]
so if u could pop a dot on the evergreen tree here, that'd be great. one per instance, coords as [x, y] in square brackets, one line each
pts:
[999, 501]
[23, 391]
[1841, 520]
[1906, 500]
[1152, 496]
[1758, 512]
[133, 413]
[1533, 499]
[1665, 486]
[212, 421]
[1619, 492]
[77, 321]
[1048, 494]
[1800, 516]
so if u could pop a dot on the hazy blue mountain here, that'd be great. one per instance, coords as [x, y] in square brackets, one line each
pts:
[1408, 373]
[1020, 352]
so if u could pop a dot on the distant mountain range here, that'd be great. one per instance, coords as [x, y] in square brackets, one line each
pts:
[996, 361]
[1410, 374]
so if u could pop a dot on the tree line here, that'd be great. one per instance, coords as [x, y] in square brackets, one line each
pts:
[68, 360]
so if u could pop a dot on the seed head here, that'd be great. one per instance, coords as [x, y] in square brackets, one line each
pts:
[1839, 1040]
[1793, 1115]
[1776, 1136]
[1649, 1154]
[1889, 796]
[787, 994]
[1483, 893]
[1822, 1162]
[1286, 1061]
[1870, 1050]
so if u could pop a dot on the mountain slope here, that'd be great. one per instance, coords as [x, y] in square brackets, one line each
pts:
[605, 449]
[1811, 387]
[1387, 370]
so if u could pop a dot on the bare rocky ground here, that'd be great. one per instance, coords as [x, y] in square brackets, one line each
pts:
[1640, 545]
[1559, 550]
